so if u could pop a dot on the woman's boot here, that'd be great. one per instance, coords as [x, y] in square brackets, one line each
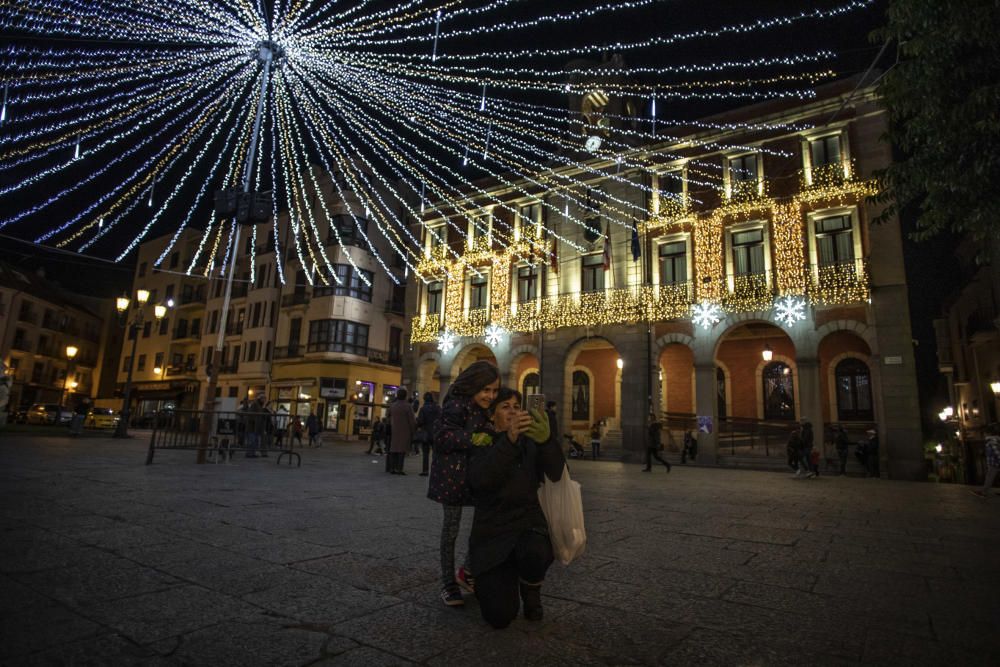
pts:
[531, 600]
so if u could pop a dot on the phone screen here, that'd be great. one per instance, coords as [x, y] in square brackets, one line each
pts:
[536, 402]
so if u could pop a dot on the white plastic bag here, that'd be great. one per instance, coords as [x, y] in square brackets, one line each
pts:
[563, 507]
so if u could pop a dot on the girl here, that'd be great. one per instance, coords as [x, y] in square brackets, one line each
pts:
[463, 413]
[510, 547]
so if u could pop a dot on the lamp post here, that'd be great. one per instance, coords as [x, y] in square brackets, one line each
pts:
[122, 304]
[68, 384]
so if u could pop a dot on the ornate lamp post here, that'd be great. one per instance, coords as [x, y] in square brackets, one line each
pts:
[68, 383]
[123, 303]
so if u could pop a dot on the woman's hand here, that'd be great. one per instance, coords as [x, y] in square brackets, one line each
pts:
[518, 425]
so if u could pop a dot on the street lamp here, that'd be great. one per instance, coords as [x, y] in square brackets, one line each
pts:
[767, 353]
[995, 387]
[122, 304]
[620, 363]
[71, 352]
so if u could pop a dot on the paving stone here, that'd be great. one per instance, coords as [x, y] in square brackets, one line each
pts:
[238, 644]
[42, 626]
[76, 586]
[108, 649]
[320, 602]
[364, 656]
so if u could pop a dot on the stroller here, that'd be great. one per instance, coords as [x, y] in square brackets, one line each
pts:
[575, 448]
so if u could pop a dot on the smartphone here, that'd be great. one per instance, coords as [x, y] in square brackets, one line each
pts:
[536, 402]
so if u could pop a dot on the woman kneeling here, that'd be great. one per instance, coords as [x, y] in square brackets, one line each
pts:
[510, 545]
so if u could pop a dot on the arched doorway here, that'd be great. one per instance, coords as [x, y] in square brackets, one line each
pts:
[469, 356]
[676, 374]
[592, 390]
[531, 384]
[756, 374]
[778, 391]
[854, 391]
[847, 389]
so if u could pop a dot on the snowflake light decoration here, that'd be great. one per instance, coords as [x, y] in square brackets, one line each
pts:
[706, 314]
[789, 309]
[446, 341]
[494, 333]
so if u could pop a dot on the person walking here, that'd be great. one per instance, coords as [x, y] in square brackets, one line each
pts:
[265, 425]
[312, 427]
[841, 441]
[464, 411]
[654, 444]
[510, 546]
[794, 450]
[871, 454]
[992, 447]
[296, 431]
[595, 441]
[806, 437]
[280, 426]
[249, 427]
[403, 425]
[80, 411]
[427, 421]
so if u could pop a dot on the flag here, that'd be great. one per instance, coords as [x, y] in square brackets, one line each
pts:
[553, 257]
[607, 249]
[636, 250]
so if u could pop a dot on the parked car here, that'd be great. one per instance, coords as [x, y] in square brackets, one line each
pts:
[101, 418]
[18, 416]
[49, 413]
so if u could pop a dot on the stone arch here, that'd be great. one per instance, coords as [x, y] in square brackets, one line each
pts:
[670, 338]
[737, 320]
[570, 364]
[860, 329]
[516, 354]
[462, 355]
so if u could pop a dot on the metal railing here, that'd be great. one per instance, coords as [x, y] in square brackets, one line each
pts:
[295, 299]
[391, 358]
[289, 352]
[745, 436]
[227, 431]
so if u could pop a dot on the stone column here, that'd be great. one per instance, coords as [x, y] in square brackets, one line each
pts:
[810, 403]
[706, 405]
[634, 406]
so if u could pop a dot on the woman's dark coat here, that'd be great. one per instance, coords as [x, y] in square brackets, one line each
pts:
[504, 478]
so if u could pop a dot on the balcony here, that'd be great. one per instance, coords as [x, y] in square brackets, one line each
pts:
[185, 332]
[234, 328]
[393, 307]
[29, 316]
[185, 370]
[289, 352]
[839, 284]
[749, 292]
[294, 299]
[345, 348]
[20, 344]
[191, 296]
[231, 367]
[390, 358]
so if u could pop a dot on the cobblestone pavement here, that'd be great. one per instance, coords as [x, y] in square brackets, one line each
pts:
[107, 561]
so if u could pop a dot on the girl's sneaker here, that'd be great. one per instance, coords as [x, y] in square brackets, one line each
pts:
[452, 596]
[466, 580]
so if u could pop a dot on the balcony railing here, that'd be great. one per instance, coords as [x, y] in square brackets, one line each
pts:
[181, 333]
[333, 346]
[192, 296]
[839, 284]
[391, 357]
[187, 369]
[231, 367]
[289, 352]
[234, 328]
[393, 306]
[294, 299]
[30, 316]
[748, 292]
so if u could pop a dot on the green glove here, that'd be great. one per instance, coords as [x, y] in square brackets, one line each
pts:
[539, 429]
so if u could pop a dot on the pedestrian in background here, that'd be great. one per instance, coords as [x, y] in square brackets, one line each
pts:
[312, 427]
[550, 412]
[806, 436]
[871, 454]
[375, 439]
[402, 425]
[280, 426]
[464, 411]
[992, 447]
[794, 450]
[249, 427]
[841, 441]
[595, 441]
[79, 415]
[427, 421]
[654, 444]
[296, 431]
[687, 450]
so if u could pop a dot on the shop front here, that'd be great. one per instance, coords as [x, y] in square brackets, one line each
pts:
[149, 398]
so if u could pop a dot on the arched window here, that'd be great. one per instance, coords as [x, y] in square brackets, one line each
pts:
[720, 391]
[531, 385]
[581, 396]
[779, 394]
[854, 391]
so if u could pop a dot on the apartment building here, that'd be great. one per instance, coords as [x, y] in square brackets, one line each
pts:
[306, 342]
[734, 282]
[57, 345]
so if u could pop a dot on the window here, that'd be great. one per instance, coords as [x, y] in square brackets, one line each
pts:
[350, 229]
[592, 273]
[169, 292]
[748, 252]
[141, 366]
[352, 284]
[720, 392]
[743, 169]
[436, 236]
[527, 283]
[252, 351]
[158, 360]
[146, 328]
[175, 259]
[255, 315]
[528, 218]
[825, 151]
[19, 341]
[142, 269]
[478, 292]
[435, 292]
[189, 363]
[592, 215]
[233, 392]
[670, 186]
[36, 372]
[126, 363]
[854, 393]
[338, 336]
[294, 334]
[581, 397]
[532, 384]
[673, 263]
[779, 401]
[214, 326]
[479, 226]
[164, 326]
[834, 240]
[395, 344]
